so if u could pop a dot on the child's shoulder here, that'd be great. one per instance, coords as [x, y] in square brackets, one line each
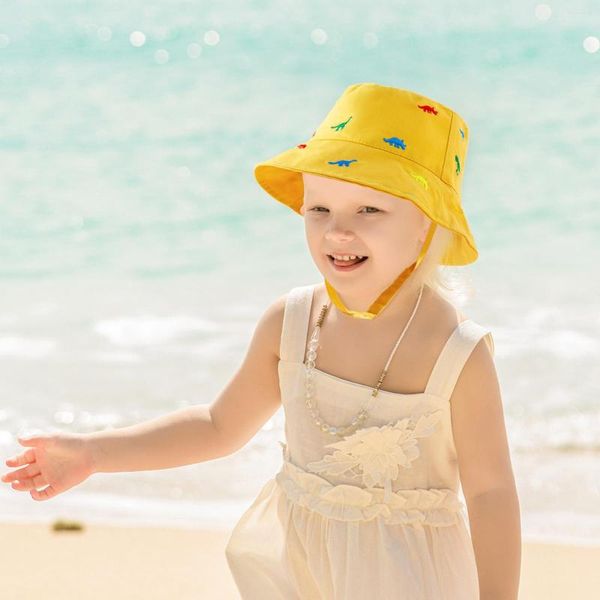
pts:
[445, 317]
[270, 324]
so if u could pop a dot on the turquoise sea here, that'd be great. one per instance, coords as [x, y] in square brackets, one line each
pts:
[137, 251]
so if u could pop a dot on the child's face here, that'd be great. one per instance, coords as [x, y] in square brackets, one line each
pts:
[337, 220]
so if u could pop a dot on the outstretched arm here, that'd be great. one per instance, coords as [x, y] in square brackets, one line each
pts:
[182, 437]
[189, 435]
[486, 476]
[60, 461]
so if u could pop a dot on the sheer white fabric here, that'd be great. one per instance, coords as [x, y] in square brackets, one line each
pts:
[378, 514]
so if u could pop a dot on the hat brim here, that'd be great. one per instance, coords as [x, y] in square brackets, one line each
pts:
[281, 177]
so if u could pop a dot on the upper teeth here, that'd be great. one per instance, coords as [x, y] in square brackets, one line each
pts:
[345, 256]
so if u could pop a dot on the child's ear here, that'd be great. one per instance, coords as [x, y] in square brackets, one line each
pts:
[302, 210]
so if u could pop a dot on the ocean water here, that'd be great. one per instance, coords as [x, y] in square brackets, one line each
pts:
[137, 251]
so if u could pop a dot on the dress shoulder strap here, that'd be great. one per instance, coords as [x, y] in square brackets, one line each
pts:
[295, 323]
[454, 355]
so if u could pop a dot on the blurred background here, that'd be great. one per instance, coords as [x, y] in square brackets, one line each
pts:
[137, 252]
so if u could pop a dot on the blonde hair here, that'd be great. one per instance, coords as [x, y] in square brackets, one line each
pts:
[448, 281]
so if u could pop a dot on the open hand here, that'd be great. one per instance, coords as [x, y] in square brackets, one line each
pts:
[59, 461]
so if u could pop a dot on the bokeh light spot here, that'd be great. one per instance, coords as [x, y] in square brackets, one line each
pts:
[194, 50]
[543, 12]
[137, 38]
[318, 36]
[591, 44]
[161, 56]
[212, 38]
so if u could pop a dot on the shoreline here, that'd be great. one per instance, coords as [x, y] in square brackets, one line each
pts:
[220, 525]
[158, 561]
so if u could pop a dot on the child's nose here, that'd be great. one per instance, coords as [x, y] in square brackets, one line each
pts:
[338, 232]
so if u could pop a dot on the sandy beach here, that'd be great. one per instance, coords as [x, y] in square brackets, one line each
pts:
[115, 562]
[159, 563]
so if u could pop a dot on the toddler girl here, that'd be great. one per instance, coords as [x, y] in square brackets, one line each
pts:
[391, 400]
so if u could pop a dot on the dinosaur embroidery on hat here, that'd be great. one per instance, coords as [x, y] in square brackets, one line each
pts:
[420, 179]
[341, 163]
[341, 125]
[396, 142]
[457, 164]
[462, 133]
[301, 146]
[428, 109]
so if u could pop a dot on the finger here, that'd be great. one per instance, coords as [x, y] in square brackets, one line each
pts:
[22, 485]
[44, 494]
[28, 471]
[26, 457]
[30, 483]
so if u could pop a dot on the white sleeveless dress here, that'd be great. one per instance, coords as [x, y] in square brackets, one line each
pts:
[375, 515]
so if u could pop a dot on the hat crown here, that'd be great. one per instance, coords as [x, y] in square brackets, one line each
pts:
[390, 139]
[403, 123]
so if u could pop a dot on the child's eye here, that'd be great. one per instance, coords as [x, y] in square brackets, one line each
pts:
[316, 208]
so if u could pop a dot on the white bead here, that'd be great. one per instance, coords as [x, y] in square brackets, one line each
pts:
[309, 367]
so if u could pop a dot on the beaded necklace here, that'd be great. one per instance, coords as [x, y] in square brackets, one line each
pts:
[309, 366]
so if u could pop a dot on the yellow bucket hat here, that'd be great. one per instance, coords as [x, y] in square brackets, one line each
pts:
[393, 140]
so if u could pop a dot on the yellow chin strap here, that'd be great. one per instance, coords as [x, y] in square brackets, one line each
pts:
[385, 297]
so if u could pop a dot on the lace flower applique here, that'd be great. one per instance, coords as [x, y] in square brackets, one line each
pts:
[376, 453]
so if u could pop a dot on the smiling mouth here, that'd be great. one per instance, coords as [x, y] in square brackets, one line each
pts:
[346, 263]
